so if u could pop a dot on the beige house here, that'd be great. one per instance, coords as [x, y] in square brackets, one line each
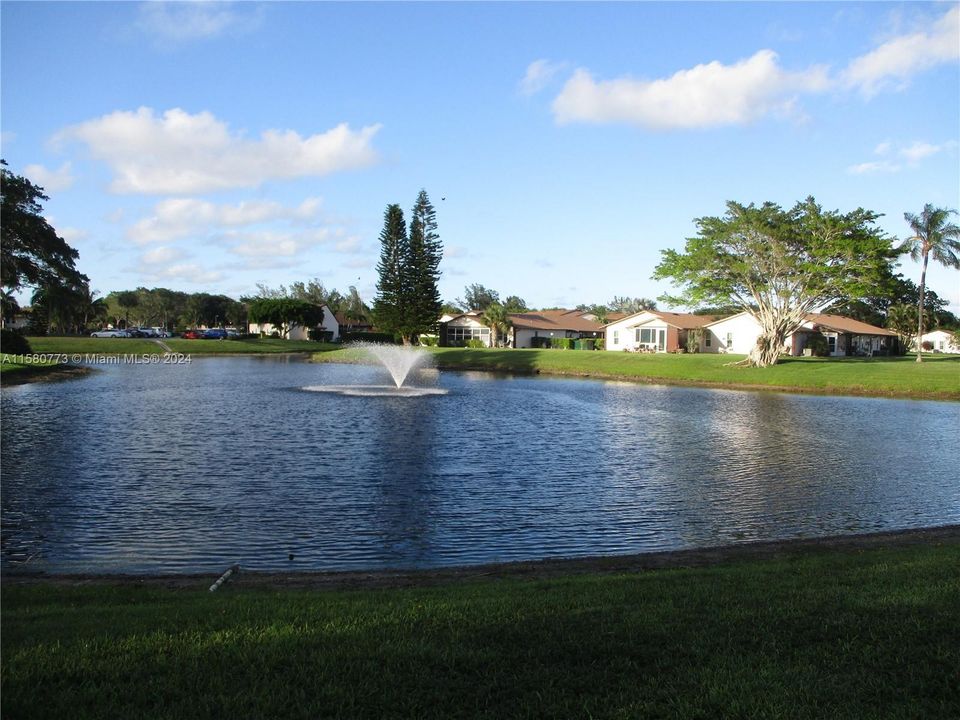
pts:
[844, 336]
[458, 330]
[942, 341]
[329, 325]
[652, 331]
[538, 328]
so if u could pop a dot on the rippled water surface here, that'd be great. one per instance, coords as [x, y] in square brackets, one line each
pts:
[188, 468]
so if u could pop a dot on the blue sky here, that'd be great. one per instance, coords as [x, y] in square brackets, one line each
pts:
[214, 146]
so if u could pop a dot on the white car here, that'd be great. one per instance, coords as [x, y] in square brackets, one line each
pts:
[110, 333]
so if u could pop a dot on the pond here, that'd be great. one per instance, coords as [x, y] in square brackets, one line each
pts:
[144, 468]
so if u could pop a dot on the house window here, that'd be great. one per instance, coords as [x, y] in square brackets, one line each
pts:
[616, 337]
[646, 336]
[707, 338]
[832, 342]
[729, 340]
[462, 334]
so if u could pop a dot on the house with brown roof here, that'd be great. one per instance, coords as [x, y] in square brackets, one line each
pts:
[845, 336]
[538, 328]
[652, 331]
[457, 330]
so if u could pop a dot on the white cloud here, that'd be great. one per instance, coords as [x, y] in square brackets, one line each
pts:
[703, 96]
[183, 217]
[538, 76]
[454, 251]
[897, 60]
[270, 243]
[161, 255]
[357, 263]
[350, 245]
[877, 166]
[179, 153]
[50, 180]
[73, 235]
[191, 272]
[912, 154]
[917, 151]
[178, 22]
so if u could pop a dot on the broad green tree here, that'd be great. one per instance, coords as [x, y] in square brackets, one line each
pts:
[515, 304]
[630, 305]
[778, 265]
[478, 297]
[392, 303]
[284, 313]
[354, 309]
[31, 252]
[933, 236]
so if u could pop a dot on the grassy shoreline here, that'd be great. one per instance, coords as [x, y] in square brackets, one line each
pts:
[845, 633]
[936, 378]
[145, 346]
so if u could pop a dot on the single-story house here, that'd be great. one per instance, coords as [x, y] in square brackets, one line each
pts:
[652, 331]
[329, 327]
[457, 330]
[538, 328]
[942, 341]
[352, 325]
[845, 336]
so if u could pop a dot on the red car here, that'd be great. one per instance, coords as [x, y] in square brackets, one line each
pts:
[192, 334]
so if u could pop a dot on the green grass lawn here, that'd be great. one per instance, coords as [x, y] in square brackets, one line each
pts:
[11, 365]
[843, 634]
[938, 376]
[139, 346]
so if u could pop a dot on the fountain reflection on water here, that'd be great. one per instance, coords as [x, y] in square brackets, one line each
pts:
[401, 361]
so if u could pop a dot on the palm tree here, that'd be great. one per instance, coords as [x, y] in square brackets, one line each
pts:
[92, 308]
[497, 319]
[933, 234]
[902, 319]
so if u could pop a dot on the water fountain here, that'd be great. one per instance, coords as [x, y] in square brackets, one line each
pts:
[400, 361]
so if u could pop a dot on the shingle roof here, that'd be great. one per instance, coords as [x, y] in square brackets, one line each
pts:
[847, 325]
[554, 320]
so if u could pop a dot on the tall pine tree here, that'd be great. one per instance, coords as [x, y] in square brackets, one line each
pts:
[426, 251]
[391, 305]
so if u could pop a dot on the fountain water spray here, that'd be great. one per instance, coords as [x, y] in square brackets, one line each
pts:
[400, 361]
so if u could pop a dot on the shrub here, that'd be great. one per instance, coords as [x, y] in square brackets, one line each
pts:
[429, 340]
[539, 342]
[599, 344]
[370, 337]
[13, 343]
[818, 345]
[561, 343]
[927, 345]
[475, 343]
[318, 335]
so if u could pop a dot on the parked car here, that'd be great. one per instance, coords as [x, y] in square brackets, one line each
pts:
[109, 333]
[137, 333]
[159, 332]
[215, 334]
[192, 334]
